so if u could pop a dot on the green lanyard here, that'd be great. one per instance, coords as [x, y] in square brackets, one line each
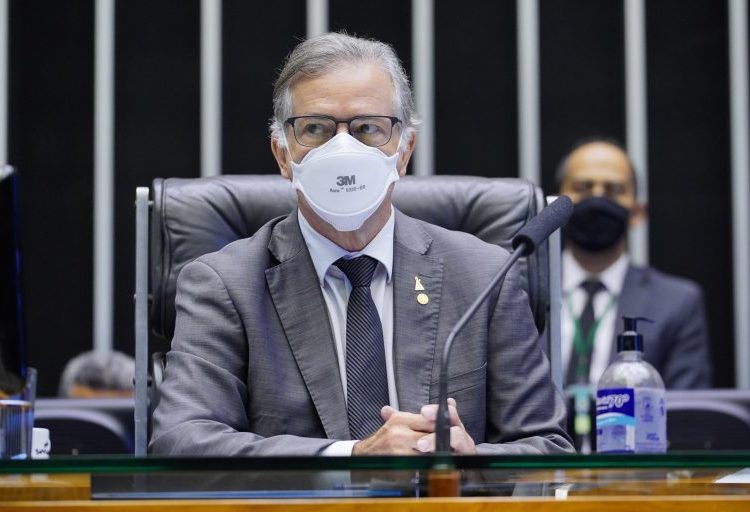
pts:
[583, 347]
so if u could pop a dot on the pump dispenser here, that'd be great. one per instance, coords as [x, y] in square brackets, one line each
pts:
[630, 339]
[631, 414]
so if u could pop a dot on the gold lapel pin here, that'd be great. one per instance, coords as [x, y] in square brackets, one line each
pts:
[423, 299]
[418, 284]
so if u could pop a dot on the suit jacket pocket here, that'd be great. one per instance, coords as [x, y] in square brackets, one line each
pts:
[462, 382]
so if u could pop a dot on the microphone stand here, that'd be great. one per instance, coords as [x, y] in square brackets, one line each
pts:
[444, 480]
[442, 422]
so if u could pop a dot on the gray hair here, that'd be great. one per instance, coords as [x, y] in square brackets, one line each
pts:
[323, 54]
[112, 371]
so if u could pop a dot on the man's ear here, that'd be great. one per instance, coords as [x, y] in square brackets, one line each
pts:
[638, 214]
[405, 155]
[282, 157]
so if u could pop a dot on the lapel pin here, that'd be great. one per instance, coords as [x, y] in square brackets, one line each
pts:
[418, 284]
[423, 299]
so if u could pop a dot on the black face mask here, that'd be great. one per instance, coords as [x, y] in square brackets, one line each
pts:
[597, 224]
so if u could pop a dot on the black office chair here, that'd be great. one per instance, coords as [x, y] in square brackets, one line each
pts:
[708, 420]
[87, 426]
[191, 217]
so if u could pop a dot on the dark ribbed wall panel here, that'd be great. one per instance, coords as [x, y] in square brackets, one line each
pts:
[51, 143]
[476, 88]
[386, 20]
[158, 125]
[582, 75]
[689, 157]
[257, 36]
[157, 106]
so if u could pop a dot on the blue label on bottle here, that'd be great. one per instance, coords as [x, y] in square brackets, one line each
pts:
[615, 420]
[631, 420]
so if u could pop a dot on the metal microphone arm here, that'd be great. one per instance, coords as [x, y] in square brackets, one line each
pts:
[442, 424]
[528, 238]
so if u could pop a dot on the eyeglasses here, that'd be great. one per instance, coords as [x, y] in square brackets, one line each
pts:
[314, 131]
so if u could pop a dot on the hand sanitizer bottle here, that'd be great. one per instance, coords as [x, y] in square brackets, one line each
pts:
[631, 415]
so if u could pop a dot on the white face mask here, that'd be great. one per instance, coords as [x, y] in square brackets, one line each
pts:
[344, 181]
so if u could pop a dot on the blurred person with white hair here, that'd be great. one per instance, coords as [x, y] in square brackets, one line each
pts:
[96, 374]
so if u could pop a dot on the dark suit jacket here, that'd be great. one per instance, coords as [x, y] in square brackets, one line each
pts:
[253, 368]
[677, 342]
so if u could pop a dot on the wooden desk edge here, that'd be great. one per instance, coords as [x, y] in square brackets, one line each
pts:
[574, 504]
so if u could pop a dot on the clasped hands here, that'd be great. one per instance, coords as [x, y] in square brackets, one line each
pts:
[405, 433]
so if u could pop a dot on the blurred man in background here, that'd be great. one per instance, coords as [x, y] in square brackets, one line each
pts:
[600, 284]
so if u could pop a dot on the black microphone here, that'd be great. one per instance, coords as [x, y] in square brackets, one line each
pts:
[524, 243]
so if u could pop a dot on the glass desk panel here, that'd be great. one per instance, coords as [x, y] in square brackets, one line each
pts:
[673, 478]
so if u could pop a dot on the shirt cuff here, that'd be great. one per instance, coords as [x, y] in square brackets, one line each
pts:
[339, 449]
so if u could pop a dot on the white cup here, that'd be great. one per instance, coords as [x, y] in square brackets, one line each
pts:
[40, 444]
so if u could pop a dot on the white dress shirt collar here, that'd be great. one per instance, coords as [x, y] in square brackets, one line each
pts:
[324, 253]
[613, 277]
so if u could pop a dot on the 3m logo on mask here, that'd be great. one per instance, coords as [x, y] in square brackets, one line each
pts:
[345, 181]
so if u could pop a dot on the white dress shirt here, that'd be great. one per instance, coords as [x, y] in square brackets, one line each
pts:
[574, 298]
[336, 289]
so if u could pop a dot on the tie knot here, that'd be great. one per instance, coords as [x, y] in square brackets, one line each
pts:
[358, 270]
[592, 286]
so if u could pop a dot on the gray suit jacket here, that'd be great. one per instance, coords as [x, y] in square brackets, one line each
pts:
[677, 342]
[253, 368]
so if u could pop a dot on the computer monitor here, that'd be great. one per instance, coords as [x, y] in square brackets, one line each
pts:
[12, 331]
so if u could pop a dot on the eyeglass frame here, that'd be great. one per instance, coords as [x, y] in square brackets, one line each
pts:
[290, 121]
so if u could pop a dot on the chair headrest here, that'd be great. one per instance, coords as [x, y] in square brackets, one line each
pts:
[192, 217]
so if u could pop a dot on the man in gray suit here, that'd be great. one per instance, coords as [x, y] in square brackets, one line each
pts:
[598, 276]
[321, 334]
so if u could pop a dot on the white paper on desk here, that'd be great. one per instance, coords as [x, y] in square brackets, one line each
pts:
[740, 477]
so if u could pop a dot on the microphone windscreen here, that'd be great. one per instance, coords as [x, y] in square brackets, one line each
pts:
[543, 225]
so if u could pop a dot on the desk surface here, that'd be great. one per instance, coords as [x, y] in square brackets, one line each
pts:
[570, 483]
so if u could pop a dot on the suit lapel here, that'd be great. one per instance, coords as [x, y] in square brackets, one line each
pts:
[634, 301]
[299, 302]
[415, 324]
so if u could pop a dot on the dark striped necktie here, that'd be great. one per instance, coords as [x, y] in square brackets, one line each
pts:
[580, 364]
[366, 381]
